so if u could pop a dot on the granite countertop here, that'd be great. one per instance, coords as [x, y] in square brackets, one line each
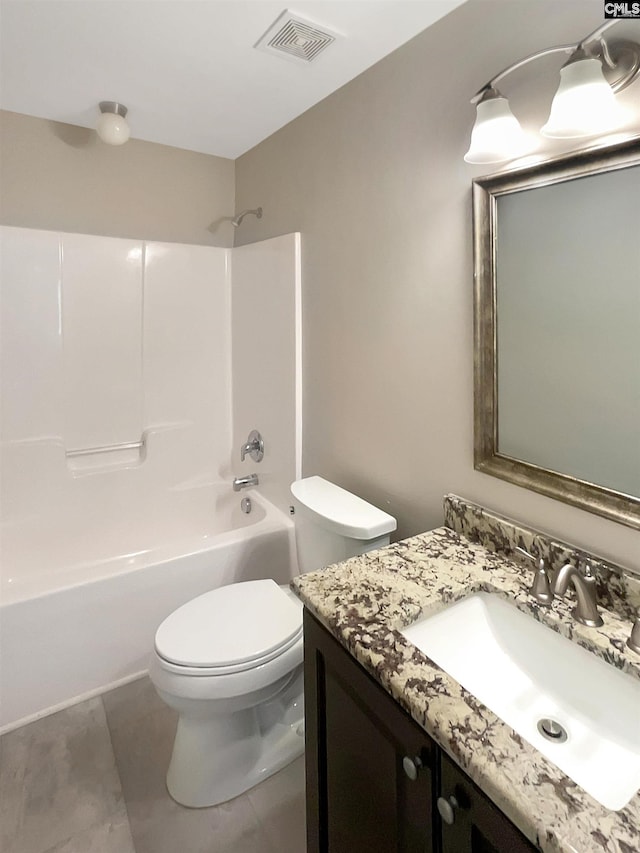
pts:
[365, 601]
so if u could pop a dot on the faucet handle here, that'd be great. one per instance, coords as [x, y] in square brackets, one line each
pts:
[634, 640]
[586, 567]
[254, 446]
[541, 587]
[525, 553]
[538, 561]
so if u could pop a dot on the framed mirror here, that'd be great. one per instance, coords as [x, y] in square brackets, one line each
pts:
[557, 329]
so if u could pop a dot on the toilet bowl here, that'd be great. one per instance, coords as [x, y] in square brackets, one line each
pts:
[237, 689]
[230, 661]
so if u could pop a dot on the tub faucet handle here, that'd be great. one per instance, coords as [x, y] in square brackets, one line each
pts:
[254, 446]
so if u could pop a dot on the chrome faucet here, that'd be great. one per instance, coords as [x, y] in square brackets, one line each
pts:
[584, 583]
[243, 482]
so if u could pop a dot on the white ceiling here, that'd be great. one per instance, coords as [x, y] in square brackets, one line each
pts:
[187, 69]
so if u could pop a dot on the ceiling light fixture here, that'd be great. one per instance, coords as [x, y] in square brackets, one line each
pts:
[584, 105]
[112, 126]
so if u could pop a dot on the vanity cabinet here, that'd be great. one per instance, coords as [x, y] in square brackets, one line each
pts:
[477, 826]
[359, 747]
[375, 780]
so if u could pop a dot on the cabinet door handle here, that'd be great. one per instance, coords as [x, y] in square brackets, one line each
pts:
[447, 809]
[411, 766]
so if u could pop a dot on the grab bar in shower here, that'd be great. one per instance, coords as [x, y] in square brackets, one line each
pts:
[107, 448]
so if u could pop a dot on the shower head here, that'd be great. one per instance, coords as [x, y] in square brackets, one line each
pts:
[238, 219]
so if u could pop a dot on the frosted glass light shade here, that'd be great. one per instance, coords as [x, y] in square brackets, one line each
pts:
[497, 134]
[112, 129]
[584, 104]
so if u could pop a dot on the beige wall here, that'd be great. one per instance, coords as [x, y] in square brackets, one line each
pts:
[374, 179]
[61, 177]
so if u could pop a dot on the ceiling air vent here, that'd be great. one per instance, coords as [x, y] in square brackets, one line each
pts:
[293, 37]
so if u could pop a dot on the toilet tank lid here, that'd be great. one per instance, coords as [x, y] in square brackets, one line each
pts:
[340, 511]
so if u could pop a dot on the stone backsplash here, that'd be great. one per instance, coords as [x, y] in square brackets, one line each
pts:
[618, 588]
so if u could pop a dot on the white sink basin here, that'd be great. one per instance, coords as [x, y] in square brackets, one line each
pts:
[525, 672]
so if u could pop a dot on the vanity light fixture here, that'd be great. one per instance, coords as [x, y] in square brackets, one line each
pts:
[112, 126]
[584, 104]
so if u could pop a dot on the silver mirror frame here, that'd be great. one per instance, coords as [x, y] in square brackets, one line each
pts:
[611, 504]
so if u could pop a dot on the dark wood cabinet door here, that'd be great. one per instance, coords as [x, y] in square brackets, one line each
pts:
[477, 826]
[373, 773]
[369, 765]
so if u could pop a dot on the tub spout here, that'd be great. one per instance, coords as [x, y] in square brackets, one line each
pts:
[243, 482]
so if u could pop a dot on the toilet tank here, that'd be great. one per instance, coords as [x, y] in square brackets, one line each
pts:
[332, 525]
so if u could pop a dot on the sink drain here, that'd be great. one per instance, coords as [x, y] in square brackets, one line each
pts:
[552, 730]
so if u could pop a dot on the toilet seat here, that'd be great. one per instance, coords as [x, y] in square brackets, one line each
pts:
[230, 629]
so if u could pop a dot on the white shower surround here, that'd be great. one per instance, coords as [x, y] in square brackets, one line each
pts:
[97, 549]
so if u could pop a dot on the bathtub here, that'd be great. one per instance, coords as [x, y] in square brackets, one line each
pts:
[71, 628]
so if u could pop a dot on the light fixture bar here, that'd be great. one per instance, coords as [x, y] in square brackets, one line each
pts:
[583, 106]
[616, 85]
[491, 84]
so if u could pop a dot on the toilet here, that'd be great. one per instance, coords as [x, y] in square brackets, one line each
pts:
[230, 661]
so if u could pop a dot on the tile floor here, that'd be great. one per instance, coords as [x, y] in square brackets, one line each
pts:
[90, 779]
